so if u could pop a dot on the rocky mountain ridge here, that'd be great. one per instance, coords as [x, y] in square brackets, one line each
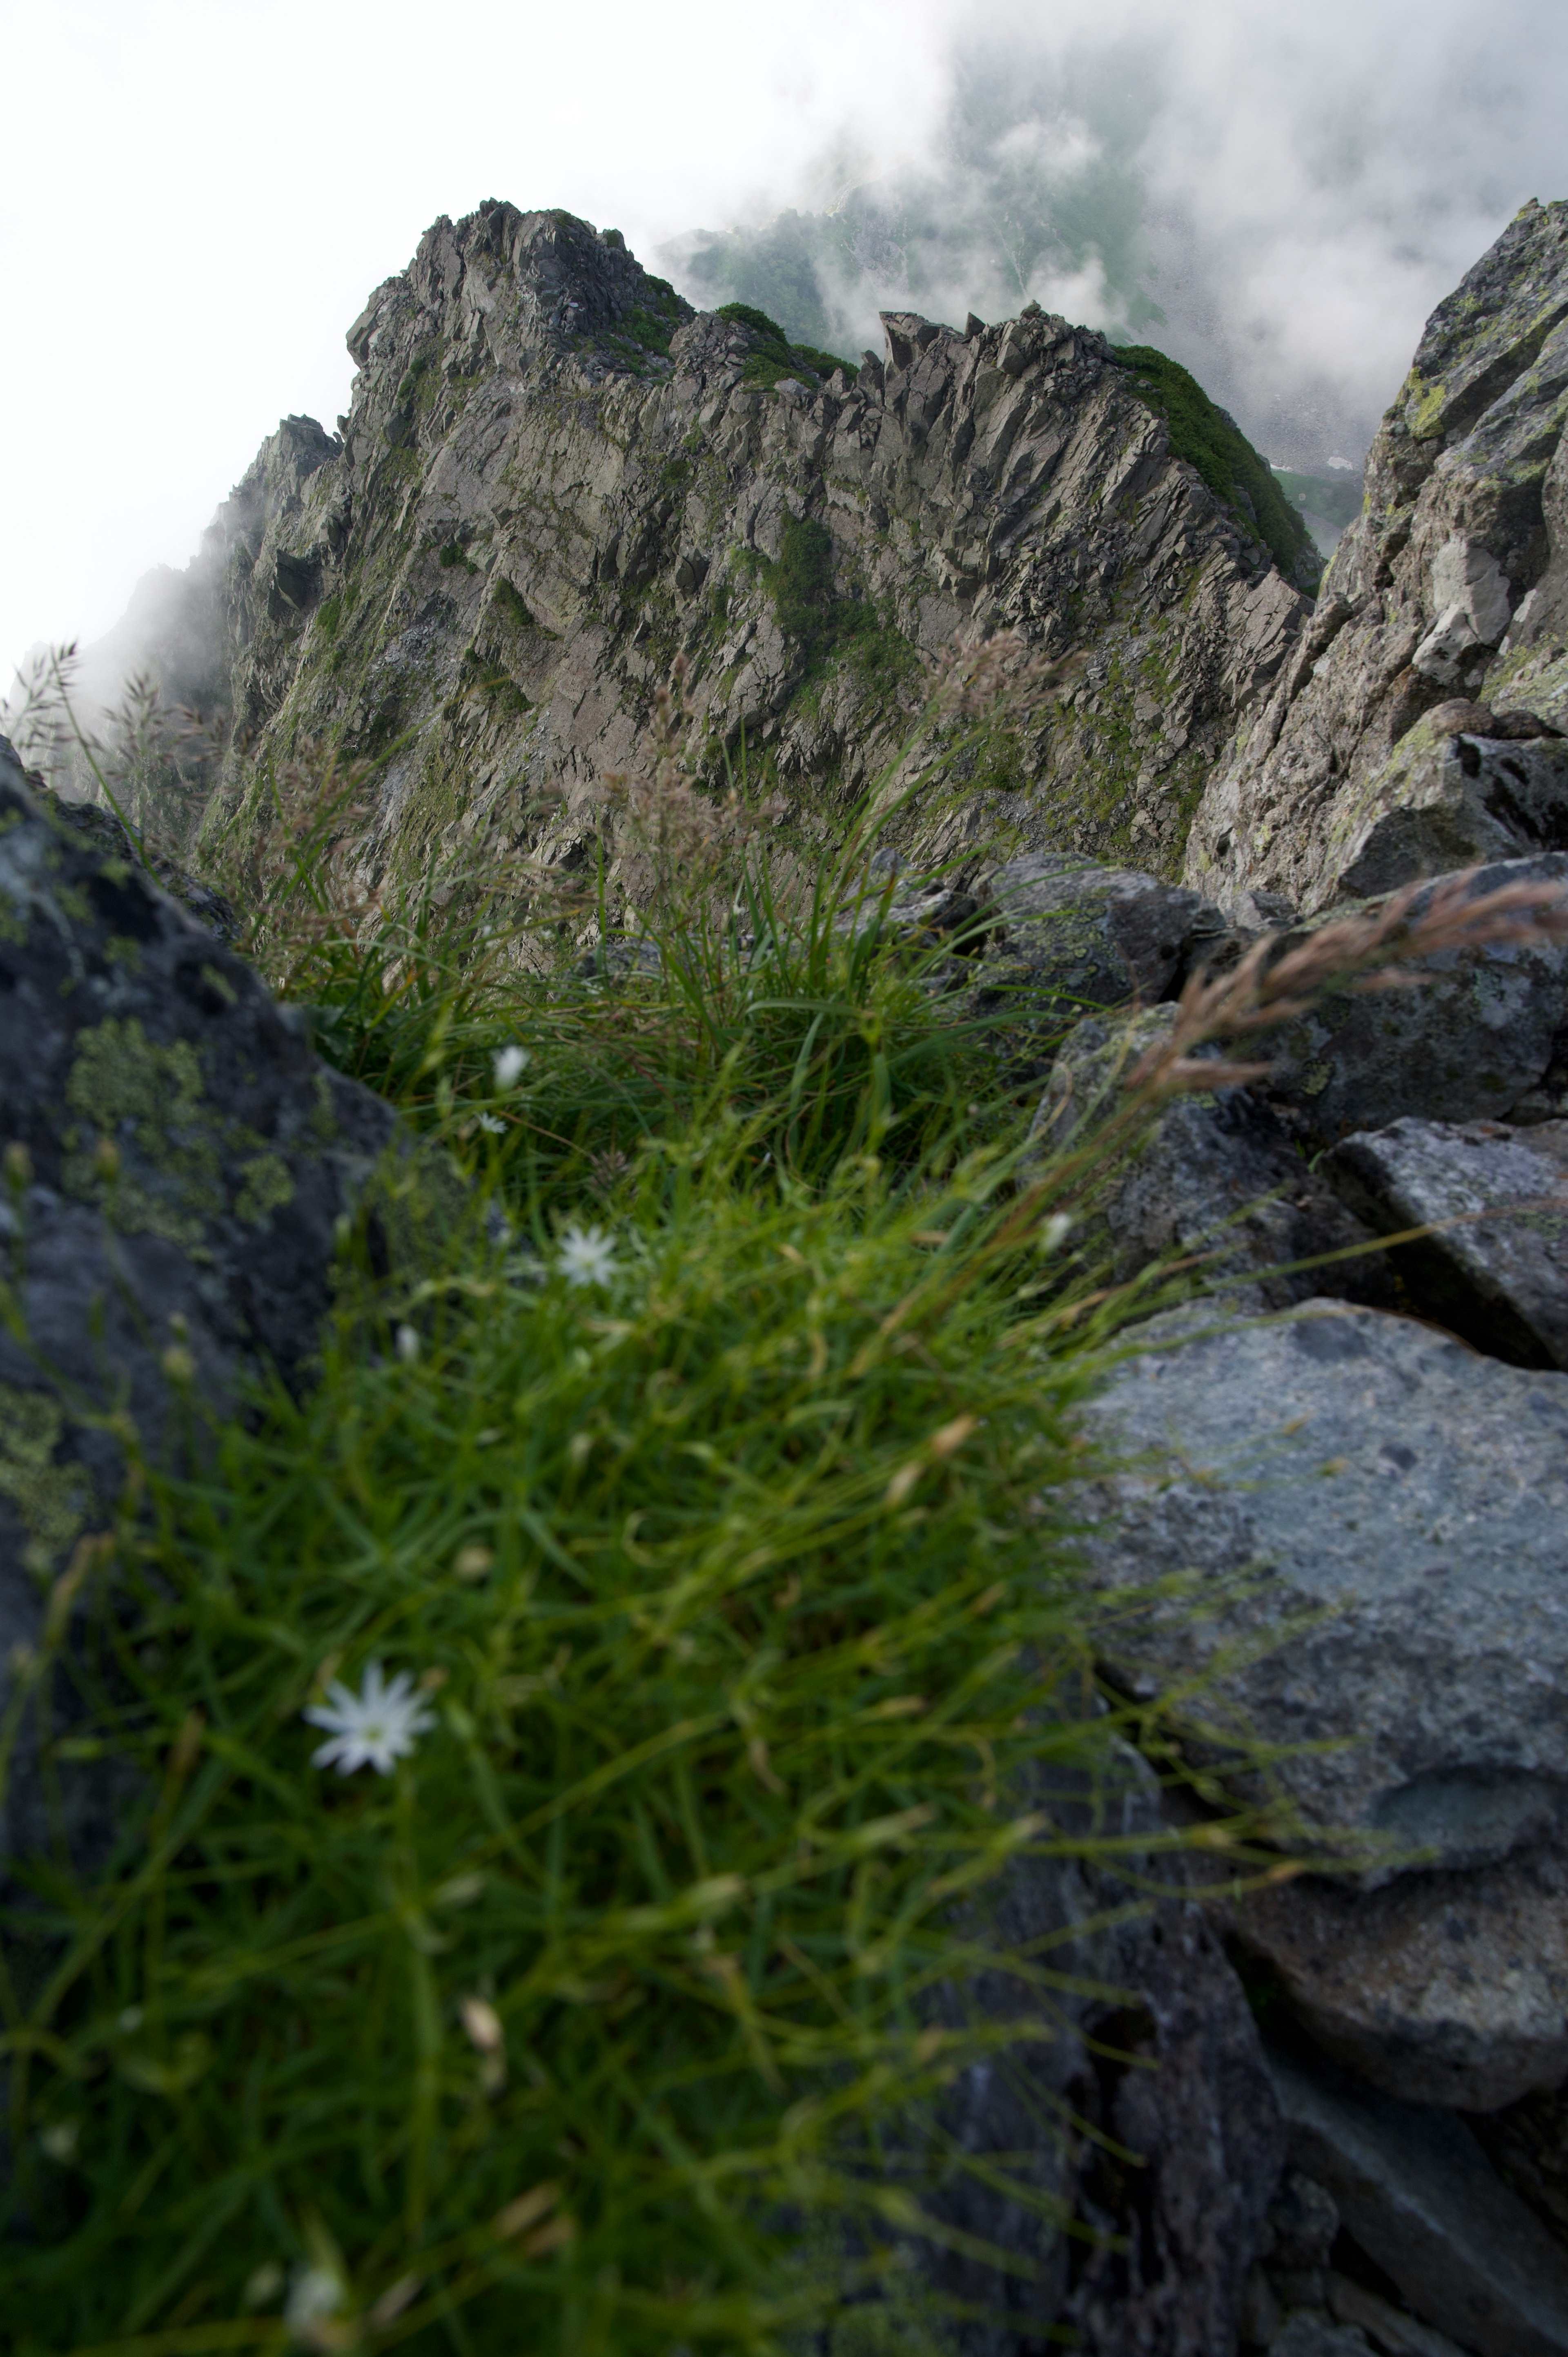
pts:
[1423, 719]
[554, 478]
[1360, 1458]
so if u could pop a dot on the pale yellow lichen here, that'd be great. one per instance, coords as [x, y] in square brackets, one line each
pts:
[48, 1498]
[135, 1093]
[267, 1188]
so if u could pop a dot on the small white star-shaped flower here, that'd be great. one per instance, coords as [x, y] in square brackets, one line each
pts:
[586, 1256]
[491, 1122]
[314, 2296]
[371, 1729]
[508, 1065]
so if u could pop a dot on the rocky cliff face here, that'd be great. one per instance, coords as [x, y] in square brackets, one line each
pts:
[1420, 721]
[554, 478]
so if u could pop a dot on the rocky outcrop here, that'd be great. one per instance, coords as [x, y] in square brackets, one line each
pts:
[1414, 2188]
[554, 478]
[1494, 1267]
[1376, 1516]
[178, 1172]
[1445, 604]
[1063, 937]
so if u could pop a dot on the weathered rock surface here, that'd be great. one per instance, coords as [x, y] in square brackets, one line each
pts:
[1441, 1988]
[1166, 2173]
[552, 479]
[1068, 937]
[1450, 583]
[178, 1163]
[1217, 1182]
[1500, 1277]
[1380, 1521]
[1481, 1039]
[1415, 2189]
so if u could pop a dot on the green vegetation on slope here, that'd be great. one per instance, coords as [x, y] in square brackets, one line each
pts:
[710, 1489]
[775, 356]
[823, 626]
[1202, 434]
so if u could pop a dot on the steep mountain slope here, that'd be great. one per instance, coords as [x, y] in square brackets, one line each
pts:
[1446, 598]
[554, 478]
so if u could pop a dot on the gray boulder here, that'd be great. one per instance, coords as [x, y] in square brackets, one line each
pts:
[179, 1172]
[1500, 1279]
[1214, 1187]
[1376, 1521]
[1481, 1038]
[1416, 2192]
[1372, 1473]
[1069, 938]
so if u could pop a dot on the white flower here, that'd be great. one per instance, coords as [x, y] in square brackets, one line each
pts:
[313, 2296]
[508, 1066]
[407, 1343]
[370, 1729]
[491, 1122]
[587, 1256]
[1055, 1231]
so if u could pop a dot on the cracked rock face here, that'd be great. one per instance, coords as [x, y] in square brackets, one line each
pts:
[177, 1166]
[552, 479]
[1495, 1270]
[1453, 582]
[1375, 1517]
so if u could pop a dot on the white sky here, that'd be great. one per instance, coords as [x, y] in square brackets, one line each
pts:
[198, 197]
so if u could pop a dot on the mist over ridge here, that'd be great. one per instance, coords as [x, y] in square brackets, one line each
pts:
[1266, 202]
[1277, 200]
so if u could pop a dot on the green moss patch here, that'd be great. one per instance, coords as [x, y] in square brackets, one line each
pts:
[1207, 439]
[774, 357]
[824, 626]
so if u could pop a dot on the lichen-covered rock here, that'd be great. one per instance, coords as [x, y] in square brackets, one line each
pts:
[1215, 1183]
[1451, 582]
[1415, 2190]
[1496, 1269]
[1481, 1038]
[1447, 799]
[552, 479]
[1378, 1516]
[179, 1169]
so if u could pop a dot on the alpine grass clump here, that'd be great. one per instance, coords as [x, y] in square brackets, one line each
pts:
[681, 1563]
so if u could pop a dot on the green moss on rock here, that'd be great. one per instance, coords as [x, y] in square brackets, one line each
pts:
[46, 1497]
[1207, 439]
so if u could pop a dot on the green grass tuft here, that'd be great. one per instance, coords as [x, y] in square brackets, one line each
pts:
[1202, 434]
[775, 357]
[739, 1580]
